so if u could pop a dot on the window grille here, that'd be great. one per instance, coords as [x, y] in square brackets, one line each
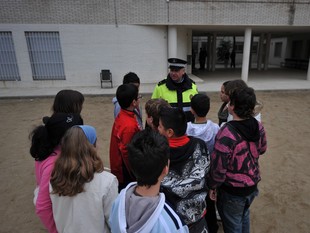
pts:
[45, 55]
[8, 63]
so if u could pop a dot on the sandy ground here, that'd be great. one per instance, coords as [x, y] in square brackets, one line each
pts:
[282, 206]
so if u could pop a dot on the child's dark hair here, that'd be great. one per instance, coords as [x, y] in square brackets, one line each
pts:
[234, 84]
[45, 138]
[174, 118]
[200, 103]
[125, 94]
[148, 154]
[243, 100]
[68, 101]
[131, 77]
[225, 87]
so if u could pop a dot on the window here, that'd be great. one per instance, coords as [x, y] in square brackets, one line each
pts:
[8, 62]
[239, 47]
[296, 48]
[45, 55]
[278, 49]
[308, 49]
[254, 47]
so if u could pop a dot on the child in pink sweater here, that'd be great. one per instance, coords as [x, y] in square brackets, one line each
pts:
[45, 140]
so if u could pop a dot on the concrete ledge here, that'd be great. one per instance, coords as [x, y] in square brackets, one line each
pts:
[205, 86]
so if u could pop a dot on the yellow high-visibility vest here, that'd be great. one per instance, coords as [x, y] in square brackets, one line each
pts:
[177, 95]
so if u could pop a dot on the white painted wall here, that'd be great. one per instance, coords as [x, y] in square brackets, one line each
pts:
[87, 49]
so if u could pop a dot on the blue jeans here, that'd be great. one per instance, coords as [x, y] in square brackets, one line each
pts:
[234, 211]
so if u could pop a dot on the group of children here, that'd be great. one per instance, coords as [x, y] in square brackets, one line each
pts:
[209, 163]
[167, 177]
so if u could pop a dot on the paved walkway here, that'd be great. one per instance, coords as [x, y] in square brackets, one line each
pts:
[273, 79]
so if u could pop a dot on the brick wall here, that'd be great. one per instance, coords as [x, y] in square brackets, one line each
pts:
[154, 12]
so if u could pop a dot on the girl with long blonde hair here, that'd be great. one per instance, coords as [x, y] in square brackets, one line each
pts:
[81, 191]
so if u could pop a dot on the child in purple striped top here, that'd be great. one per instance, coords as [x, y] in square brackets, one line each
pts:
[234, 162]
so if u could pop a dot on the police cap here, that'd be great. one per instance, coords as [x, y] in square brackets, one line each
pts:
[176, 63]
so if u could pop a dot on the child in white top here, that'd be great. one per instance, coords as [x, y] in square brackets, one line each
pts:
[82, 193]
[206, 130]
[202, 128]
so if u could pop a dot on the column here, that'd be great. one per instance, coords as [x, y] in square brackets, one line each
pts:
[209, 53]
[250, 61]
[213, 52]
[268, 39]
[172, 41]
[260, 51]
[246, 54]
[189, 51]
[308, 73]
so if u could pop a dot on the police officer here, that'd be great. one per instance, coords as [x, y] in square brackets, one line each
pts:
[177, 89]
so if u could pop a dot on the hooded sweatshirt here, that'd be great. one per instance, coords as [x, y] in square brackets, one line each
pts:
[185, 185]
[133, 213]
[205, 131]
[234, 161]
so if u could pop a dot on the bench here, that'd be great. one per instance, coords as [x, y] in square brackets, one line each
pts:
[295, 63]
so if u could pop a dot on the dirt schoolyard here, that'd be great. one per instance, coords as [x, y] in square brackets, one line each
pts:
[283, 204]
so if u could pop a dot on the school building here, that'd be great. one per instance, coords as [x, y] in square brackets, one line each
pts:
[66, 43]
